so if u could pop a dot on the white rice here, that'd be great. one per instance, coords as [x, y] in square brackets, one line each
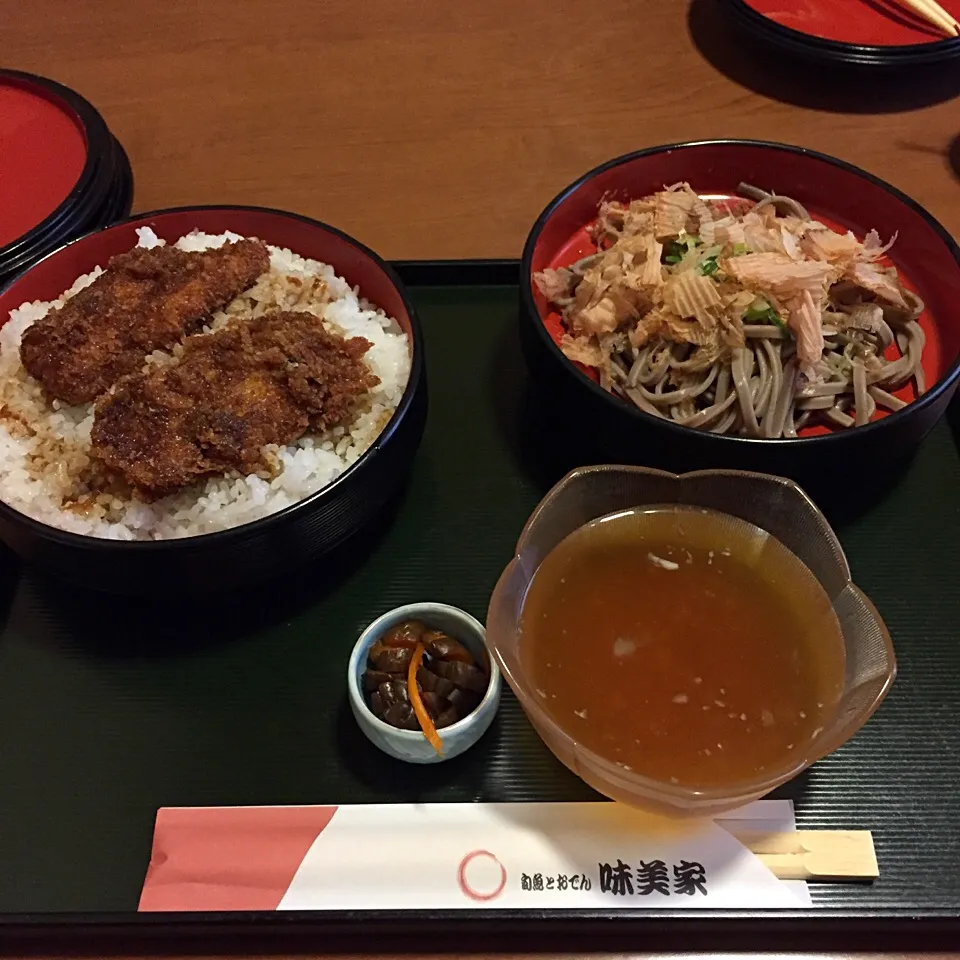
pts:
[44, 445]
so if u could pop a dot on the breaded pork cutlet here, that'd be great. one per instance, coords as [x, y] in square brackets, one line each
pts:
[145, 300]
[249, 384]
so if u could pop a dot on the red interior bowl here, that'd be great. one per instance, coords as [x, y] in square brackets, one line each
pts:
[834, 191]
[265, 547]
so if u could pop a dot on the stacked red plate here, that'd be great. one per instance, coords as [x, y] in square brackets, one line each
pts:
[876, 33]
[62, 173]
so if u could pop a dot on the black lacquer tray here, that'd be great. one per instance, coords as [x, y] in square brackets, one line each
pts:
[113, 707]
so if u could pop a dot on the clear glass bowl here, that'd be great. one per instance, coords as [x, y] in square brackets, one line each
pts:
[776, 505]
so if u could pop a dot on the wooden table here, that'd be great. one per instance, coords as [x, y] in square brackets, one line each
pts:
[428, 128]
[435, 129]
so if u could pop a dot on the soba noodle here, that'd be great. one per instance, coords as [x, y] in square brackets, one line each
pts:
[755, 321]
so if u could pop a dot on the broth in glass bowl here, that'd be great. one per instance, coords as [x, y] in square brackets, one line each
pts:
[685, 644]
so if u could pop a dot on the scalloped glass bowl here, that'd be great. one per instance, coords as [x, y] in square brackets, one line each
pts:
[779, 508]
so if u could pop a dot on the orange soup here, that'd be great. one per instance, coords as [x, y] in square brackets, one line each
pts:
[682, 644]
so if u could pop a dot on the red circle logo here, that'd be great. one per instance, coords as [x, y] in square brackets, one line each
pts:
[481, 888]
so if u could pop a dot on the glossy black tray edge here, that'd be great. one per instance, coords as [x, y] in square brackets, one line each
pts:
[464, 932]
[817, 929]
[460, 273]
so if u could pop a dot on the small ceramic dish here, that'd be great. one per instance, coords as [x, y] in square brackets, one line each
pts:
[412, 745]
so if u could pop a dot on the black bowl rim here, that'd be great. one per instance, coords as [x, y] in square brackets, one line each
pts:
[99, 145]
[943, 385]
[851, 54]
[121, 197]
[245, 530]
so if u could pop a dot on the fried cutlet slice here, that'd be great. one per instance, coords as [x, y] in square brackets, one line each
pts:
[267, 380]
[145, 300]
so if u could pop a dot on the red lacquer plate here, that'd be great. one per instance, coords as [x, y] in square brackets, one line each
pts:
[62, 173]
[864, 32]
[843, 196]
[43, 152]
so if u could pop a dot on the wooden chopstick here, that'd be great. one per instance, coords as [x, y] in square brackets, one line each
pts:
[822, 855]
[932, 12]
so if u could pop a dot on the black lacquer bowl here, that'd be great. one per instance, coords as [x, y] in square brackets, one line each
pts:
[263, 548]
[843, 195]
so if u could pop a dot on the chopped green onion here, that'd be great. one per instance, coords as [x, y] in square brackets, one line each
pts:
[761, 314]
[675, 250]
[759, 310]
[764, 314]
[739, 249]
[709, 266]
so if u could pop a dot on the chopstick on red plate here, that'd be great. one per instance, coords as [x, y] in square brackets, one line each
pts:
[932, 12]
